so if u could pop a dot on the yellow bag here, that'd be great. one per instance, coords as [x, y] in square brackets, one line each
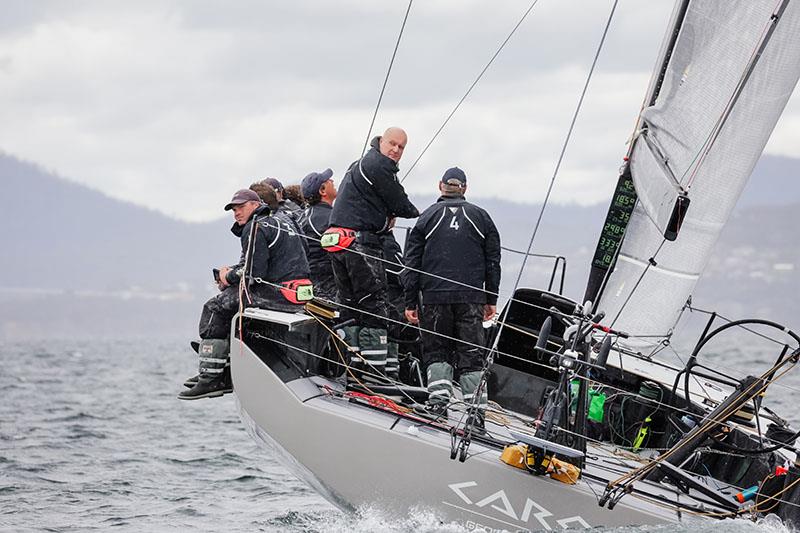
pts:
[514, 455]
[563, 471]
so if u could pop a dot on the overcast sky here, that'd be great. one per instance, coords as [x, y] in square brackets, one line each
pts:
[176, 104]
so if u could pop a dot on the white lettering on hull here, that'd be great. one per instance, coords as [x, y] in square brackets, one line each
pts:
[500, 502]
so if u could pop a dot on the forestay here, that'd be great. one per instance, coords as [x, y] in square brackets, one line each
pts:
[698, 138]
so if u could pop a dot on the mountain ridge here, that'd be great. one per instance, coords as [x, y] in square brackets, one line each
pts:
[70, 250]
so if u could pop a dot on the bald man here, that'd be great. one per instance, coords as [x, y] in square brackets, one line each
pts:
[369, 199]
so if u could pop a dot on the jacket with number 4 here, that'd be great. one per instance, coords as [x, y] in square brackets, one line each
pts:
[453, 240]
[371, 195]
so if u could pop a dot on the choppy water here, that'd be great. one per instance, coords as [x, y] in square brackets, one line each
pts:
[92, 437]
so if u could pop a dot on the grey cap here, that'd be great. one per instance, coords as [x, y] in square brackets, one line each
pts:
[311, 183]
[242, 196]
[454, 176]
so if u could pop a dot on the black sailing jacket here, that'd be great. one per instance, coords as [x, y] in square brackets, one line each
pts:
[277, 251]
[456, 240]
[313, 223]
[371, 194]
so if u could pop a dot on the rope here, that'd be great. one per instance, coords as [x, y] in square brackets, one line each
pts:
[707, 425]
[496, 413]
[386, 79]
[472, 86]
[425, 273]
[512, 356]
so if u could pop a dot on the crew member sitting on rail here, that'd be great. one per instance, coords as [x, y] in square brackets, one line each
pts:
[269, 196]
[294, 194]
[273, 275]
[453, 241]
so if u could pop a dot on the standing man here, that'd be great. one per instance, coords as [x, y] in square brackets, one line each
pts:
[370, 199]
[320, 192]
[453, 240]
[276, 257]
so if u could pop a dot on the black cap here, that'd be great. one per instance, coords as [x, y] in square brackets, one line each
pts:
[454, 176]
[242, 196]
[311, 183]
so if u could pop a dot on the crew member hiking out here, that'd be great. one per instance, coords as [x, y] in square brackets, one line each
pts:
[269, 195]
[369, 200]
[453, 240]
[273, 275]
[320, 192]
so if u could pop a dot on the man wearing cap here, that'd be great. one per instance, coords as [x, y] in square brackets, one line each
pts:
[320, 192]
[370, 198]
[275, 272]
[453, 240]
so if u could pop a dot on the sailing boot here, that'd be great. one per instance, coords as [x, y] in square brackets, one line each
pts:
[374, 349]
[393, 362]
[349, 335]
[469, 382]
[440, 388]
[211, 381]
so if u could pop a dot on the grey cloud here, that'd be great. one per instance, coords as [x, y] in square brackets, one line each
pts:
[200, 96]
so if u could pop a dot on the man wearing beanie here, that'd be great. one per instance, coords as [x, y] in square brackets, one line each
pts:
[453, 240]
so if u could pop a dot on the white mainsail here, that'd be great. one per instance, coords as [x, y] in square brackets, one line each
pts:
[715, 111]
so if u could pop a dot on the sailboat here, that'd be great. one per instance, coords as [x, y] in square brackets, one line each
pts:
[589, 428]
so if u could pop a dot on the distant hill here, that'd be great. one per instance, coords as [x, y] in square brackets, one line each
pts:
[59, 234]
[77, 263]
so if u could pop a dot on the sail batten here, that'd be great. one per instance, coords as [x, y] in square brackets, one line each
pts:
[731, 71]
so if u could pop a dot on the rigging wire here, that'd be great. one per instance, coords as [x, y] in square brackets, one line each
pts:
[469, 90]
[603, 445]
[386, 78]
[707, 424]
[500, 322]
[534, 363]
[726, 319]
[566, 140]
[766, 34]
[522, 302]
[425, 273]
[650, 263]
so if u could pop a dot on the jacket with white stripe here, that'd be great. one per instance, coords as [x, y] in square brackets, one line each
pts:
[277, 252]
[370, 194]
[453, 240]
[313, 223]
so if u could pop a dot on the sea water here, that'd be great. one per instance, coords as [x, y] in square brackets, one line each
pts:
[92, 437]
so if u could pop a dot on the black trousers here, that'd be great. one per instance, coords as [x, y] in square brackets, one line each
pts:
[218, 311]
[361, 282]
[463, 322]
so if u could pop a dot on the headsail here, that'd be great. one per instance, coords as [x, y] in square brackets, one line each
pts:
[729, 75]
